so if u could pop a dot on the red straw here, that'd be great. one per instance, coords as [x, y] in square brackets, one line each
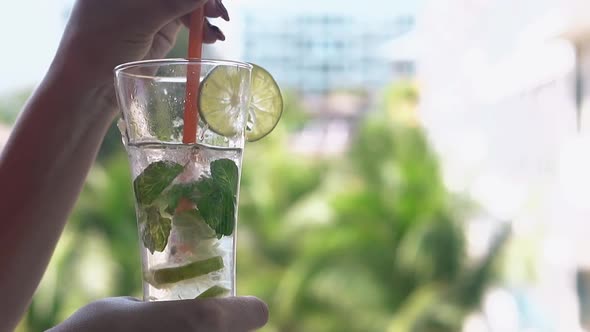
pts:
[193, 75]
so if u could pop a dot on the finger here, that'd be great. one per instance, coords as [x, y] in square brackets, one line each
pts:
[215, 8]
[225, 14]
[186, 20]
[164, 40]
[211, 33]
[212, 9]
[244, 313]
[236, 314]
[158, 13]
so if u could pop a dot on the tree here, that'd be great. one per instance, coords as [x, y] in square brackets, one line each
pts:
[368, 241]
[11, 105]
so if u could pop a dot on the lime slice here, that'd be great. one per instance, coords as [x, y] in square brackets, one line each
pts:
[266, 104]
[215, 291]
[175, 274]
[219, 102]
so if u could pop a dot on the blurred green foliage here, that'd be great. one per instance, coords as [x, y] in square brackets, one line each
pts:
[11, 104]
[366, 241]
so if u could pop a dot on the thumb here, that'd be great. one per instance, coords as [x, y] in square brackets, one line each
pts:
[236, 314]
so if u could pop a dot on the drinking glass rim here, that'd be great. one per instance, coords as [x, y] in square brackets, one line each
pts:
[125, 67]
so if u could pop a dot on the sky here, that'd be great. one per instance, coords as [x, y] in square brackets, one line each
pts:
[29, 48]
[30, 31]
[365, 7]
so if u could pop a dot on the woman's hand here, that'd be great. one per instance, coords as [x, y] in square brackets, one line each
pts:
[102, 34]
[233, 314]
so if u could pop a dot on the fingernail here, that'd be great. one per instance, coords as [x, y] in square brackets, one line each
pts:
[219, 33]
[224, 13]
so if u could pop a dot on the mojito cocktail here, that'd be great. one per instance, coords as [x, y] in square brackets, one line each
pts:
[187, 188]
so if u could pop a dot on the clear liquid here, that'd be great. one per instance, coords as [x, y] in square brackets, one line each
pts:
[186, 244]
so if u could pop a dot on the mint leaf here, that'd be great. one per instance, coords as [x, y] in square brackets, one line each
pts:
[217, 205]
[154, 179]
[176, 193]
[225, 172]
[217, 196]
[155, 229]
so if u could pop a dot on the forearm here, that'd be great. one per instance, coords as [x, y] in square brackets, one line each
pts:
[42, 170]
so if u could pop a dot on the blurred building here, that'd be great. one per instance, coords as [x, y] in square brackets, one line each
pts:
[315, 52]
[328, 57]
[335, 55]
[400, 55]
[335, 117]
[576, 30]
[506, 107]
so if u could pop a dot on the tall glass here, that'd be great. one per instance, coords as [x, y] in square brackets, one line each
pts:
[186, 194]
